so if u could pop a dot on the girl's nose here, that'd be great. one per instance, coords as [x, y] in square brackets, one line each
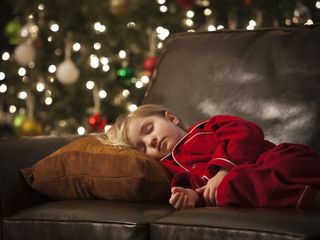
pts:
[153, 142]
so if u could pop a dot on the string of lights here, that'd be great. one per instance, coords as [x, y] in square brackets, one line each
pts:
[74, 71]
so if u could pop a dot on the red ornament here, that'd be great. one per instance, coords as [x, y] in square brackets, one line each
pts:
[150, 63]
[186, 3]
[247, 2]
[97, 122]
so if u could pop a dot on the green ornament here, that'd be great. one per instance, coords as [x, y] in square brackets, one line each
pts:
[125, 72]
[12, 31]
[17, 122]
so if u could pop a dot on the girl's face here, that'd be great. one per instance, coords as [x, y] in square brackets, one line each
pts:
[154, 135]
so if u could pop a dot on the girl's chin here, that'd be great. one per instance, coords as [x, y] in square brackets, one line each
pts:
[163, 154]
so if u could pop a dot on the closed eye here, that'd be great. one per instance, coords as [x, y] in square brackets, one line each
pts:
[148, 128]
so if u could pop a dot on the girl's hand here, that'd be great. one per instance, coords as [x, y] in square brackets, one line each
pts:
[182, 198]
[209, 191]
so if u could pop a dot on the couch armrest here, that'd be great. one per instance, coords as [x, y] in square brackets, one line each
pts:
[19, 153]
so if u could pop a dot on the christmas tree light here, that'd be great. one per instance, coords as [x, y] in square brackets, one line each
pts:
[108, 49]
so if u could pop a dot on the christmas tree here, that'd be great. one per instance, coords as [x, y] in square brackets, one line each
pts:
[74, 66]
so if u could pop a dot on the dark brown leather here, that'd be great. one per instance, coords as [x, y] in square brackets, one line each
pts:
[16, 154]
[238, 223]
[271, 77]
[84, 220]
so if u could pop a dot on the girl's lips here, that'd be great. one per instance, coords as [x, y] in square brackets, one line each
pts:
[161, 145]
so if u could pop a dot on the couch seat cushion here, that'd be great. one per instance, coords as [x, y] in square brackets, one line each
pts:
[238, 223]
[84, 220]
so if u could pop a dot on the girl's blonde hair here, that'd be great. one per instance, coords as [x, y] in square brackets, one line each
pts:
[117, 134]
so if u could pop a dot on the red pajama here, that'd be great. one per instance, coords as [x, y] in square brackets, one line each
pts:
[260, 173]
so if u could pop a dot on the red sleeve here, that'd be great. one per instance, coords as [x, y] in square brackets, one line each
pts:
[239, 141]
[246, 186]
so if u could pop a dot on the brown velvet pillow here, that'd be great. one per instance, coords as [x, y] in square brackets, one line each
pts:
[89, 169]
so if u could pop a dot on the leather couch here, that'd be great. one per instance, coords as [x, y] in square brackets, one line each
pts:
[270, 76]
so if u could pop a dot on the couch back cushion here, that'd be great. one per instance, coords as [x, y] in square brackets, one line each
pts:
[269, 76]
[17, 153]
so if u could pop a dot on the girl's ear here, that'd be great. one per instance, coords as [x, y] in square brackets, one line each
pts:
[171, 117]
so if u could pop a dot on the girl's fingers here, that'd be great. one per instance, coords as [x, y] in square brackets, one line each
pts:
[185, 202]
[174, 198]
[201, 189]
[180, 201]
[211, 197]
[176, 189]
[206, 196]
